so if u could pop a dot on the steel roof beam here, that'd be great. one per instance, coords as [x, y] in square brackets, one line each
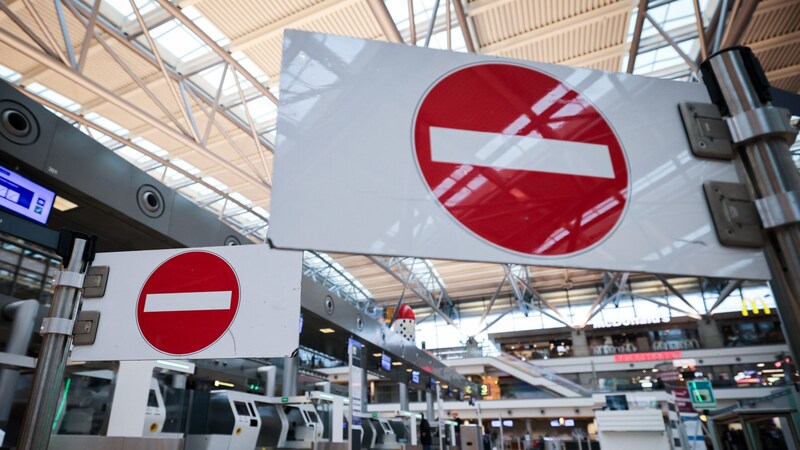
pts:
[463, 23]
[725, 293]
[637, 35]
[677, 293]
[79, 8]
[395, 268]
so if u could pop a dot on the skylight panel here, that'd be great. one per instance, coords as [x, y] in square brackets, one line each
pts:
[204, 24]
[133, 156]
[241, 198]
[186, 166]
[53, 96]
[9, 74]
[150, 147]
[123, 7]
[250, 66]
[179, 41]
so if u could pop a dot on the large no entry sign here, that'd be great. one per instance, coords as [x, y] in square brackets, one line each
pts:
[394, 150]
[216, 302]
[521, 159]
[188, 303]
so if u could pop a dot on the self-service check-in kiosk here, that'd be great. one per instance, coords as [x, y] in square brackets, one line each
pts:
[156, 412]
[332, 412]
[303, 425]
[231, 422]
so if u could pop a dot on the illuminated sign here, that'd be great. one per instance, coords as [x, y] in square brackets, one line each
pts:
[25, 197]
[415, 376]
[486, 390]
[506, 423]
[386, 362]
[753, 302]
[631, 322]
[649, 356]
[562, 422]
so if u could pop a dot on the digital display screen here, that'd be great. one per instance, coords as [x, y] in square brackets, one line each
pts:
[386, 362]
[25, 197]
[617, 402]
[506, 423]
[241, 408]
[433, 384]
[415, 376]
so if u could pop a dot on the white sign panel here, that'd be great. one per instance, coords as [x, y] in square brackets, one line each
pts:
[217, 302]
[394, 150]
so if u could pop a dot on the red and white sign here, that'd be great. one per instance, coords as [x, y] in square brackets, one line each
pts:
[216, 302]
[453, 156]
[188, 303]
[649, 356]
[540, 172]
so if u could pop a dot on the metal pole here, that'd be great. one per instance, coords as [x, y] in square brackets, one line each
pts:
[56, 342]
[771, 174]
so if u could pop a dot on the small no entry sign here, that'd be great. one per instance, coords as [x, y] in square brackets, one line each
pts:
[521, 159]
[188, 303]
[215, 302]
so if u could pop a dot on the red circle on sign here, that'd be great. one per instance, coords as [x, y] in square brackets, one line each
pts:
[188, 303]
[561, 207]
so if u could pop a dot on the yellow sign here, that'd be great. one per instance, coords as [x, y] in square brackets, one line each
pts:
[753, 302]
[485, 390]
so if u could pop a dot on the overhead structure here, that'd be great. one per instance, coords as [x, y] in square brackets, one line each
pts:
[186, 91]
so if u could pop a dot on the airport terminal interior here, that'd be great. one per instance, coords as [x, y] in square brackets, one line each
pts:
[239, 224]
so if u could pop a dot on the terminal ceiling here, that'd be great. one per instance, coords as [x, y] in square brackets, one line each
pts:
[199, 112]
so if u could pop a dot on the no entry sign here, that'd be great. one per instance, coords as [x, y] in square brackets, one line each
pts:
[468, 157]
[188, 303]
[535, 170]
[217, 302]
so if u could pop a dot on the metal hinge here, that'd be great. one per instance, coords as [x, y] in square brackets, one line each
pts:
[707, 131]
[735, 215]
[94, 283]
[85, 330]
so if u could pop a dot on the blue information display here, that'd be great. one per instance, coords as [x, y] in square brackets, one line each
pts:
[386, 362]
[415, 376]
[25, 197]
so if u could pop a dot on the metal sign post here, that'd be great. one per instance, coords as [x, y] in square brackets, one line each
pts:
[738, 86]
[78, 252]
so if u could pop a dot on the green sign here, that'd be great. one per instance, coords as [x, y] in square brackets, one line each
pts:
[701, 394]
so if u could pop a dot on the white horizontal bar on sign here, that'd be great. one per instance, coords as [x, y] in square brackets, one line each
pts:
[504, 151]
[187, 301]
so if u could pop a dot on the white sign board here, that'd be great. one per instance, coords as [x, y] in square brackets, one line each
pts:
[216, 302]
[394, 150]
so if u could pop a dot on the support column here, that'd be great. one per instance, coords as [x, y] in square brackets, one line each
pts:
[129, 402]
[403, 396]
[709, 334]
[580, 345]
[738, 86]
[429, 406]
[289, 376]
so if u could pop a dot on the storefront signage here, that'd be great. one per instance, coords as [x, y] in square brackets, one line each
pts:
[632, 322]
[649, 356]
[753, 304]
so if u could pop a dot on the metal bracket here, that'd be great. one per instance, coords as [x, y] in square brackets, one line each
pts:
[706, 130]
[69, 279]
[85, 330]
[779, 209]
[56, 325]
[735, 215]
[94, 283]
[761, 122]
